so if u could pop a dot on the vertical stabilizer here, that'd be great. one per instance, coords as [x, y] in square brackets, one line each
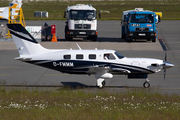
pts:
[15, 6]
[25, 43]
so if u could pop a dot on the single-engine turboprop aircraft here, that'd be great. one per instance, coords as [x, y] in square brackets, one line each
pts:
[103, 64]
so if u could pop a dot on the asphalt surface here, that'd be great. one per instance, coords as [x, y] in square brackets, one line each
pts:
[13, 72]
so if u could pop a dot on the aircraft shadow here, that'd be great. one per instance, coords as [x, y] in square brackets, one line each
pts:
[77, 85]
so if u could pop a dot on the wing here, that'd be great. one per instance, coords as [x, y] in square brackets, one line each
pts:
[98, 69]
[104, 69]
[120, 70]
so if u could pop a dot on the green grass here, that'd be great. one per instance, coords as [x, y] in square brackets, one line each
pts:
[169, 8]
[88, 103]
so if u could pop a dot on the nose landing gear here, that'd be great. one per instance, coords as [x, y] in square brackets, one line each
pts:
[146, 84]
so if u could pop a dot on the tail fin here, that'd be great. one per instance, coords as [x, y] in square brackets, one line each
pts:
[15, 5]
[25, 43]
[17, 2]
[4, 13]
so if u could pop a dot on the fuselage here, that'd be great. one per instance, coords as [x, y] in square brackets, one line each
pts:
[80, 61]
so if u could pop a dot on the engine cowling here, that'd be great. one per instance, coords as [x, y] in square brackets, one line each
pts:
[105, 75]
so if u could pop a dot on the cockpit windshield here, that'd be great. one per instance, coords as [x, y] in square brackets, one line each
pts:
[142, 18]
[119, 55]
[82, 15]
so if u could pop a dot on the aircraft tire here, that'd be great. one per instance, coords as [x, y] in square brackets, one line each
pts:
[103, 84]
[146, 85]
[154, 40]
[66, 35]
[123, 36]
[128, 40]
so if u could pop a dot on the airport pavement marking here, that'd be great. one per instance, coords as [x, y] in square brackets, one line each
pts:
[170, 88]
[60, 74]
[2, 75]
[173, 76]
[9, 67]
[55, 74]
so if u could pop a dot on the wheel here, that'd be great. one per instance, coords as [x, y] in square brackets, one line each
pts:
[66, 35]
[128, 40]
[103, 84]
[146, 84]
[123, 36]
[93, 38]
[154, 40]
[148, 39]
[65, 30]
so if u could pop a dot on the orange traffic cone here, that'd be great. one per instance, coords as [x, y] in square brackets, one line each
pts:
[54, 39]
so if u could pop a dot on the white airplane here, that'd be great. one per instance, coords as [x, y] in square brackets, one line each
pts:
[15, 5]
[103, 64]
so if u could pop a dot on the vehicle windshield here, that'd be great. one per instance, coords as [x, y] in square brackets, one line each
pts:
[142, 18]
[119, 55]
[82, 15]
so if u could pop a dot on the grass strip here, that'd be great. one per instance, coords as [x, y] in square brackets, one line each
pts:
[87, 103]
[111, 10]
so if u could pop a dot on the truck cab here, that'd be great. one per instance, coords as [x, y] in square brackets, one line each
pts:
[139, 24]
[81, 22]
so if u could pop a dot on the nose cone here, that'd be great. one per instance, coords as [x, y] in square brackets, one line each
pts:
[168, 65]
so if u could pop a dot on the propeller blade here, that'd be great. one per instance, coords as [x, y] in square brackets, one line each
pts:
[164, 73]
[165, 59]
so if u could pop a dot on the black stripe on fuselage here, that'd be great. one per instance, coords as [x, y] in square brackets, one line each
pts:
[82, 67]
[19, 28]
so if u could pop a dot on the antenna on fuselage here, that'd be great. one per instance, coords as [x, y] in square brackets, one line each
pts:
[78, 46]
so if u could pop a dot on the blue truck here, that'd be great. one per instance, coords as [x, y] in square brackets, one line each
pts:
[140, 24]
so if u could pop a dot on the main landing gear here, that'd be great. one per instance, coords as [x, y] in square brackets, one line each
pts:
[146, 84]
[100, 82]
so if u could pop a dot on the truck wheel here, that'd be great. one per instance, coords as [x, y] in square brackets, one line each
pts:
[128, 40]
[148, 39]
[154, 40]
[66, 35]
[94, 38]
[123, 36]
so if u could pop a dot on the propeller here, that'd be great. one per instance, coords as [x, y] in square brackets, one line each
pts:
[164, 65]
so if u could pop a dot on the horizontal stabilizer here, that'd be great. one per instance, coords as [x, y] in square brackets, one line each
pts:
[23, 59]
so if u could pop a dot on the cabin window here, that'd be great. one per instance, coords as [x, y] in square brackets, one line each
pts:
[109, 56]
[67, 56]
[79, 56]
[92, 56]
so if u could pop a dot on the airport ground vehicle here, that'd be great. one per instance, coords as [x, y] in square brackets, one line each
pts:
[81, 22]
[140, 24]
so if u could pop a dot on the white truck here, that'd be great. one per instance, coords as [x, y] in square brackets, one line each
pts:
[81, 22]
